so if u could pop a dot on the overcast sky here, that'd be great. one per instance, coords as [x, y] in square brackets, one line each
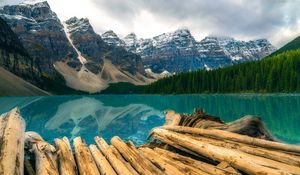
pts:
[276, 20]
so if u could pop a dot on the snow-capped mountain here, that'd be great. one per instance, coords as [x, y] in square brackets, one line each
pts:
[40, 32]
[179, 51]
[71, 48]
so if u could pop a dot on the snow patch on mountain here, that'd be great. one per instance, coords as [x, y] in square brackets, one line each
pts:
[179, 51]
[79, 55]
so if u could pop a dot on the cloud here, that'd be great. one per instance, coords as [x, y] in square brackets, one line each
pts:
[276, 20]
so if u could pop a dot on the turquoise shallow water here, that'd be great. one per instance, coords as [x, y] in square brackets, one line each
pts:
[133, 116]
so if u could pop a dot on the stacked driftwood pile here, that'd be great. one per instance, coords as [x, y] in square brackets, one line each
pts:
[195, 144]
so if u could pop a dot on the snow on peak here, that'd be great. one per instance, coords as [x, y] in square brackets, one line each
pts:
[112, 39]
[75, 24]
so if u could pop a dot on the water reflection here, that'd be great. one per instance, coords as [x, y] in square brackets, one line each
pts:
[133, 116]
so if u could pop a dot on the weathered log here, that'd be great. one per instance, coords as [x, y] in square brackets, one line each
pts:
[103, 165]
[66, 161]
[126, 163]
[44, 153]
[225, 166]
[175, 145]
[161, 163]
[247, 125]
[225, 135]
[12, 133]
[84, 158]
[117, 164]
[182, 168]
[245, 162]
[254, 150]
[140, 163]
[208, 168]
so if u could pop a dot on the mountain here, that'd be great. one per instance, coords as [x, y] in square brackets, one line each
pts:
[40, 32]
[17, 69]
[71, 52]
[102, 64]
[13, 55]
[112, 39]
[178, 51]
[278, 73]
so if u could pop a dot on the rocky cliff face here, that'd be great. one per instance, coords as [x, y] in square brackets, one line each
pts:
[13, 56]
[95, 50]
[179, 51]
[41, 33]
[71, 49]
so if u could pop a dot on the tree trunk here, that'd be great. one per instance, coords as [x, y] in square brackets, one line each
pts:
[141, 164]
[103, 165]
[66, 161]
[245, 162]
[126, 163]
[225, 135]
[45, 157]
[84, 158]
[12, 134]
[117, 164]
[254, 150]
[208, 168]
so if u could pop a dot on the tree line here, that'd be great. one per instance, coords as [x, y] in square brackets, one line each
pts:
[277, 73]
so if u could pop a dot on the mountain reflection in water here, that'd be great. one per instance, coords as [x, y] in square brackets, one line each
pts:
[133, 116]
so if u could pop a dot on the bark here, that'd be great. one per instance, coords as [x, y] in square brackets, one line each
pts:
[117, 164]
[225, 135]
[44, 153]
[245, 162]
[142, 165]
[103, 165]
[84, 158]
[208, 168]
[126, 163]
[66, 161]
[12, 134]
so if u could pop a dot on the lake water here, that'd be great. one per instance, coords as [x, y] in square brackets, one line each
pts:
[133, 116]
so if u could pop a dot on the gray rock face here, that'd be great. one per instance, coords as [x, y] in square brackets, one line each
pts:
[94, 49]
[41, 33]
[179, 51]
[13, 56]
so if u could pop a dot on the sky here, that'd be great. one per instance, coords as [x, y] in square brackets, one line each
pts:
[276, 20]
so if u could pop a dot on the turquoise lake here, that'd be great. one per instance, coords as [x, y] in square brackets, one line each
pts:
[133, 116]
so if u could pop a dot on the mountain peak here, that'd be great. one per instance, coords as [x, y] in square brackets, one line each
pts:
[111, 38]
[38, 3]
[131, 36]
[75, 23]
[109, 33]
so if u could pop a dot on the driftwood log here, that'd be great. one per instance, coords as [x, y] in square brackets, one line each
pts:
[103, 165]
[84, 158]
[116, 163]
[66, 161]
[248, 125]
[12, 134]
[44, 153]
[247, 163]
